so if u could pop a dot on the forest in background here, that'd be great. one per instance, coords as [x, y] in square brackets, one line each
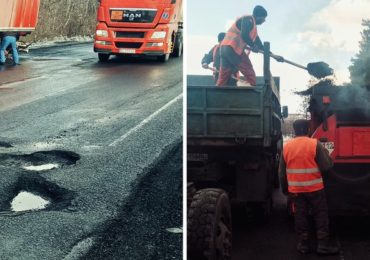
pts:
[64, 18]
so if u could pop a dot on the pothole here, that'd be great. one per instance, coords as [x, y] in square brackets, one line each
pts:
[53, 157]
[43, 167]
[40, 161]
[5, 144]
[32, 192]
[27, 201]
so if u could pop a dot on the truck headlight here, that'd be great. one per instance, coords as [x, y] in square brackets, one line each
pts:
[154, 44]
[159, 35]
[103, 43]
[102, 33]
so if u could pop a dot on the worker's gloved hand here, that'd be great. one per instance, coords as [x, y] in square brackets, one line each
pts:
[205, 65]
[279, 58]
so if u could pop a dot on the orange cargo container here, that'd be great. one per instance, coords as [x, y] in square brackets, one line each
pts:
[18, 15]
[146, 27]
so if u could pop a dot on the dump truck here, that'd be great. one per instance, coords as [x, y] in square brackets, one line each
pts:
[234, 141]
[19, 15]
[147, 27]
[340, 120]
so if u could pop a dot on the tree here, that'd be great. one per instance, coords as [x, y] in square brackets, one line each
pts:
[360, 68]
[65, 18]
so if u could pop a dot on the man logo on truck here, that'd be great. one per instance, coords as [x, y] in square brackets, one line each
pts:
[132, 16]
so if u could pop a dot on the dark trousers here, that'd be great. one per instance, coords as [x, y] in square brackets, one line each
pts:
[231, 63]
[315, 201]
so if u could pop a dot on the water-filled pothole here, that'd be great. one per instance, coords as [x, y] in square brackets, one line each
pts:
[43, 167]
[33, 192]
[27, 201]
[40, 161]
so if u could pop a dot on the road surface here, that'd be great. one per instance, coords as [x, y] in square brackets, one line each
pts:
[276, 238]
[93, 140]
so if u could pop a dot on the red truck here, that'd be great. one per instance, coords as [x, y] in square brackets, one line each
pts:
[19, 15]
[340, 120]
[146, 27]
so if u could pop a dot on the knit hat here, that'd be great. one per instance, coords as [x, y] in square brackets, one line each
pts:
[259, 11]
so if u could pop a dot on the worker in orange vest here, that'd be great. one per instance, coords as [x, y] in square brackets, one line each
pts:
[234, 51]
[303, 161]
[213, 56]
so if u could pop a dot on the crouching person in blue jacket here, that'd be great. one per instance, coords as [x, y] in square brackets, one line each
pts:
[9, 38]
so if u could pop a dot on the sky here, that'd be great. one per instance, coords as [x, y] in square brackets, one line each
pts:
[300, 31]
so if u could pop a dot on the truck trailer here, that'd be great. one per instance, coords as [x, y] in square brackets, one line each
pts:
[234, 142]
[19, 15]
[147, 27]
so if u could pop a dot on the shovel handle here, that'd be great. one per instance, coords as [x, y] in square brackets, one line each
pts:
[286, 61]
[295, 64]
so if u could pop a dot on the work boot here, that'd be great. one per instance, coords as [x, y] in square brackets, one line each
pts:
[325, 248]
[303, 246]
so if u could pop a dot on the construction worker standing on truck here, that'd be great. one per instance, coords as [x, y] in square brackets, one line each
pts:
[303, 161]
[234, 52]
[9, 39]
[213, 56]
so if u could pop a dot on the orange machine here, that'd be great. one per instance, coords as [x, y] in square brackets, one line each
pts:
[18, 15]
[146, 27]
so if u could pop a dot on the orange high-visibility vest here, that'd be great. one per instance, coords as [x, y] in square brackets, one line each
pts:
[233, 36]
[302, 171]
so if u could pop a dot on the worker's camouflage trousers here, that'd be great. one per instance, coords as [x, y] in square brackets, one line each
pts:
[315, 204]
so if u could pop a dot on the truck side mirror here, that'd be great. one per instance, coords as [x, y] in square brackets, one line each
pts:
[284, 112]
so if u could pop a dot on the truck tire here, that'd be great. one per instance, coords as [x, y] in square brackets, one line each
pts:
[209, 225]
[164, 57]
[177, 51]
[103, 57]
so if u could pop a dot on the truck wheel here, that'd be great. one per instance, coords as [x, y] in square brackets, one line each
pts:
[103, 57]
[209, 225]
[164, 57]
[178, 49]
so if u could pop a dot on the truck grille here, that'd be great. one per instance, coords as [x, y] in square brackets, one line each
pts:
[130, 34]
[132, 15]
[135, 45]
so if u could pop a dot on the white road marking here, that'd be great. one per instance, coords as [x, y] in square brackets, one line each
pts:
[174, 230]
[12, 83]
[81, 249]
[145, 121]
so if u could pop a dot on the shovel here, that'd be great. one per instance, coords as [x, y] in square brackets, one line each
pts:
[318, 69]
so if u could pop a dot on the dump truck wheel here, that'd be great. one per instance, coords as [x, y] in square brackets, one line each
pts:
[209, 225]
[103, 57]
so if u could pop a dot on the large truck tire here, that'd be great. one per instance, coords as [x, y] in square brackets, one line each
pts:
[103, 57]
[209, 225]
[177, 51]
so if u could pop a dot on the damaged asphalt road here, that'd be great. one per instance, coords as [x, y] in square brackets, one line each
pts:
[107, 129]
